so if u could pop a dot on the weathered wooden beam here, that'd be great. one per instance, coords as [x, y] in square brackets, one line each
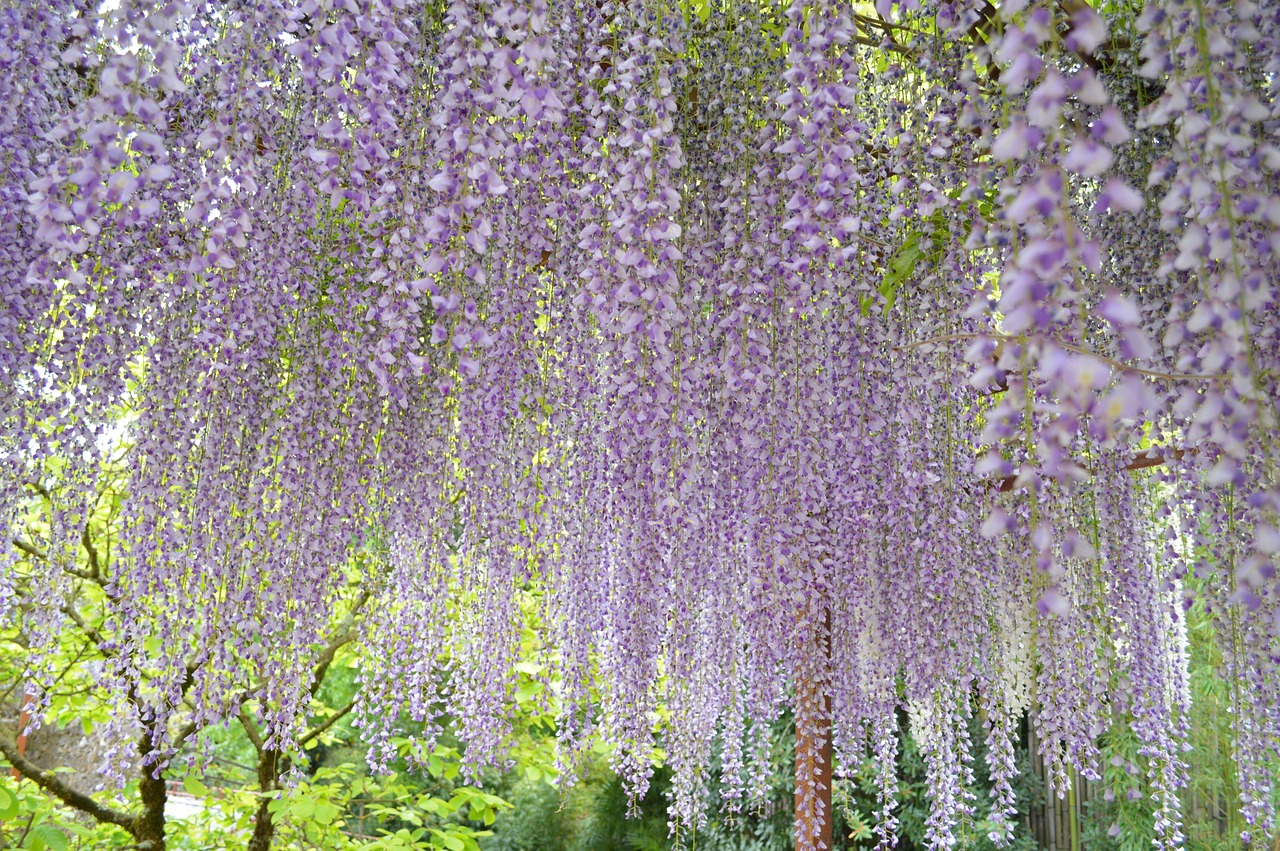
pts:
[1140, 460]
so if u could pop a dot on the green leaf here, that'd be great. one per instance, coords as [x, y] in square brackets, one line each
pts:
[303, 808]
[326, 812]
[900, 268]
[194, 787]
[434, 805]
[51, 837]
[452, 842]
[8, 805]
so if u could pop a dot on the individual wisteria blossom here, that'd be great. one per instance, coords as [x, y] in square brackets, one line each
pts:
[902, 366]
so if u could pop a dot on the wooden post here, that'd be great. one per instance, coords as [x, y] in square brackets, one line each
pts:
[24, 721]
[813, 748]
[813, 763]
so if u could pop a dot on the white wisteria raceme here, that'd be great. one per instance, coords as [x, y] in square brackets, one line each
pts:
[856, 359]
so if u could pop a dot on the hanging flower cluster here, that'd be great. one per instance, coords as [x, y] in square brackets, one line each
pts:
[794, 357]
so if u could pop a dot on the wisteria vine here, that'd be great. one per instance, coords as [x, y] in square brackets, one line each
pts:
[861, 359]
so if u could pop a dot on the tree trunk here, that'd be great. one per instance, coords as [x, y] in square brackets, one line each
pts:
[148, 830]
[264, 826]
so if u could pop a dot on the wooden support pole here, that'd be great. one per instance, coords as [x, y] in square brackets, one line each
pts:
[24, 721]
[813, 756]
[813, 764]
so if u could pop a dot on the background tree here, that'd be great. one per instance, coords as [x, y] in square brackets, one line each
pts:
[87, 643]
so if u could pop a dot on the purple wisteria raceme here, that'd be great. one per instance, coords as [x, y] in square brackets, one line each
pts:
[738, 359]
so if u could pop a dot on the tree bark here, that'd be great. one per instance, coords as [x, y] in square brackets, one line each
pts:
[264, 826]
[148, 829]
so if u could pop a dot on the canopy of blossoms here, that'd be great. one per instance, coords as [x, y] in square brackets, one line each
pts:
[796, 355]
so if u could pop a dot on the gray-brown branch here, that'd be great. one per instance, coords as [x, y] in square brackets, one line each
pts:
[60, 789]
